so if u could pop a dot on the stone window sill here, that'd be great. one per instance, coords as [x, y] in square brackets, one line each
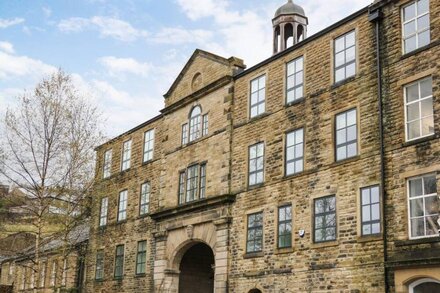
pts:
[255, 186]
[296, 102]
[140, 275]
[342, 82]
[428, 240]
[325, 244]
[258, 117]
[420, 140]
[345, 161]
[369, 238]
[249, 255]
[284, 250]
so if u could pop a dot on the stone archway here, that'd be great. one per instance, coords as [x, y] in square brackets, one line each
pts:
[197, 269]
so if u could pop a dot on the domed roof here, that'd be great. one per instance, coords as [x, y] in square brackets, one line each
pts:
[290, 8]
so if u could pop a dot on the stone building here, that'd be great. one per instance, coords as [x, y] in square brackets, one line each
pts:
[62, 265]
[316, 170]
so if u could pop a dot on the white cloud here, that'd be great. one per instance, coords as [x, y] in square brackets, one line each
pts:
[47, 11]
[107, 27]
[116, 65]
[7, 47]
[4, 23]
[19, 66]
[179, 35]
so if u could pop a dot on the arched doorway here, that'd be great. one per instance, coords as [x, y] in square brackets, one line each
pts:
[197, 270]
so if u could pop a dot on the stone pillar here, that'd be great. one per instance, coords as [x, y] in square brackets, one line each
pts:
[283, 41]
[163, 278]
[221, 255]
[295, 32]
[275, 40]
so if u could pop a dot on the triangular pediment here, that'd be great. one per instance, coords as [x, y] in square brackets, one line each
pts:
[201, 70]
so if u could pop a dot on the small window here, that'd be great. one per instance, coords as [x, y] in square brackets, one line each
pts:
[346, 135]
[423, 206]
[345, 56]
[144, 206]
[195, 124]
[419, 110]
[107, 163]
[294, 152]
[415, 31]
[285, 226]
[119, 261]
[370, 210]
[205, 125]
[258, 96]
[425, 285]
[325, 219]
[256, 164]
[122, 206]
[185, 133]
[295, 80]
[141, 257]
[192, 183]
[148, 145]
[103, 212]
[254, 233]
[126, 155]
[99, 271]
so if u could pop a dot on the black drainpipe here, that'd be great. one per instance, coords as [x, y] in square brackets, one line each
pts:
[376, 15]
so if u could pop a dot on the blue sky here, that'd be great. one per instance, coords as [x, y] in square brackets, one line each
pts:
[124, 54]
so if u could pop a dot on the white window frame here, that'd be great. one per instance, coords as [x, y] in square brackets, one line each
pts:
[195, 124]
[103, 212]
[107, 166]
[185, 131]
[122, 213]
[126, 155]
[347, 143]
[296, 133]
[148, 145]
[251, 160]
[409, 198]
[144, 203]
[419, 101]
[257, 91]
[417, 32]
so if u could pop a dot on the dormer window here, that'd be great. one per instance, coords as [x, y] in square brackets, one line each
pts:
[196, 127]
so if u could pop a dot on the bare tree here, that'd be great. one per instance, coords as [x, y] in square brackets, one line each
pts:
[48, 154]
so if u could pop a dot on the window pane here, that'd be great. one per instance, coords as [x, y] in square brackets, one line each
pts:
[375, 212]
[422, 6]
[340, 74]
[375, 228]
[350, 39]
[414, 130]
[365, 196]
[416, 207]
[410, 44]
[350, 70]
[412, 93]
[409, 28]
[424, 38]
[339, 59]
[413, 111]
[351, 133]
[299, 92]
[341, 153]
[430, 184]
[415, 187]
[427, 107]
[366, 229]
[427, 125]
[423, 22]
[341, 121]
[351, 150]
[431, 225]
[339, 44]
[350, 54]
[431, 205]
[375, 194]
[426, 88]
[409, 12]
[366, 213]
[418, 227]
